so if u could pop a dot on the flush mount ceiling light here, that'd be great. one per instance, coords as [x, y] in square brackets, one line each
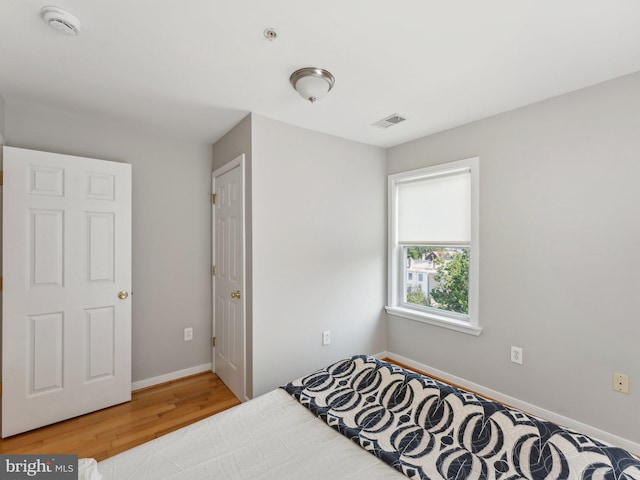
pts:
[312, 83]
[61, 20]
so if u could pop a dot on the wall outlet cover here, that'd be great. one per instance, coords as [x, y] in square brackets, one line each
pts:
[516, 355]
[188, 334]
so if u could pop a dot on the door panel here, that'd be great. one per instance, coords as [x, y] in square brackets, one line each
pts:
[100, 246]
[46, 235]
[228, 286]
[101, 341]
[66, 336]
[45, 355]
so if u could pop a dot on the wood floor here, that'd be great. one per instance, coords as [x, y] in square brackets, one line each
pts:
[152, 412]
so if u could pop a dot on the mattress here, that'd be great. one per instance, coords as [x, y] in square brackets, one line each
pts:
[267, 438]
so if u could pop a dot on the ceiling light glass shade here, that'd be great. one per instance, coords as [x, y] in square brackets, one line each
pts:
[312, 83]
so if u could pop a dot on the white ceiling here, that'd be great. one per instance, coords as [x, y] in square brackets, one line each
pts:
[195, 68]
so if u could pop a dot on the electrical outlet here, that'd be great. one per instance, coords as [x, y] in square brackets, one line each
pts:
[621, 382]
[188, 334]
[516, 355]
[326, 338]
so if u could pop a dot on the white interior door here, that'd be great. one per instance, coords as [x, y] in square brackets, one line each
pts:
[66, 334]
[229, 278]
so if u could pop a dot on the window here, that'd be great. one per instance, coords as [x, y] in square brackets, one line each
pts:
[433, 232]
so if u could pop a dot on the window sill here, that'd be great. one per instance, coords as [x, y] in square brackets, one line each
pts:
[431, 319]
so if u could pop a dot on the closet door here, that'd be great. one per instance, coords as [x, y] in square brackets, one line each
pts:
[229, 290]
[66, 305]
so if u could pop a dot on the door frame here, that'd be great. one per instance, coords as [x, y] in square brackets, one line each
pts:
[238, 162]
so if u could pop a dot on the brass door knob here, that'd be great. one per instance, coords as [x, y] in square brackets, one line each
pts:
[123, 294]
[235, 294]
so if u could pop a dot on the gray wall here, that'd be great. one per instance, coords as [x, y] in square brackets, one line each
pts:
[319, 260]
[171, 226]
[234, 143]
[2, 121]
[316, 260]
[559, 230]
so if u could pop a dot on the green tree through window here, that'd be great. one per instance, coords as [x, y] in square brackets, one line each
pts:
[417, 296]
[452, 291]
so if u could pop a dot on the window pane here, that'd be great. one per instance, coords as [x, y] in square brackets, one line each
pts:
[442, 280]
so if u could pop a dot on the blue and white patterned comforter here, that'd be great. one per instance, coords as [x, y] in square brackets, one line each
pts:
[430, 430]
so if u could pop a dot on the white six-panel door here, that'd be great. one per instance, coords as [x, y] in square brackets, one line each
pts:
[66, 333]
[228, 285]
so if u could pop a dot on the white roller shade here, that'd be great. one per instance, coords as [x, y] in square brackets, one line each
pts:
[435, 209]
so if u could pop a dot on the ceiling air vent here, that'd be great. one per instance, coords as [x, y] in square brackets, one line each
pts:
[389, 121]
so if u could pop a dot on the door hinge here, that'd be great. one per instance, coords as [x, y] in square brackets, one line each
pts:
[213, 341]
[213, 271]
[213, 198]
[0, 284]
[1, 178]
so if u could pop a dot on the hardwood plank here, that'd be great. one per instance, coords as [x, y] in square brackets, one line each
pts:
[152, 412]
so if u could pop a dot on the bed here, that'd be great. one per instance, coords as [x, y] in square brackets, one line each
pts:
[362, 418]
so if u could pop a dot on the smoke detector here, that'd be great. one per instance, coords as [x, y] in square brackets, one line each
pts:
[61, 20]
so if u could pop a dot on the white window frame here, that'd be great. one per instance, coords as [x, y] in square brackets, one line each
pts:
[468, 323]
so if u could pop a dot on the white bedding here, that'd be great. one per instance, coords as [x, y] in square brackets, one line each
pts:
[270, 437]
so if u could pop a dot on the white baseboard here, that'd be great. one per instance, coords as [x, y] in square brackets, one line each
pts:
[534, 410]
[167, 377]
